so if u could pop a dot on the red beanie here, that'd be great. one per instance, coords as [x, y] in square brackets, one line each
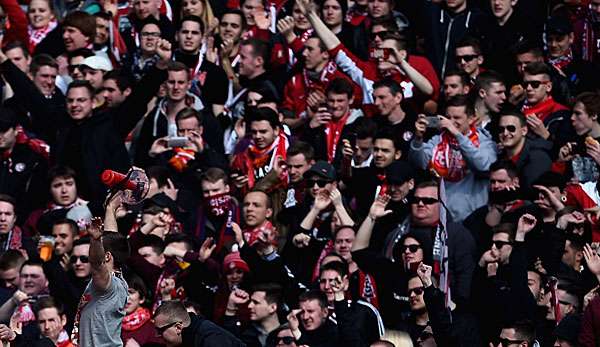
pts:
[234, 261]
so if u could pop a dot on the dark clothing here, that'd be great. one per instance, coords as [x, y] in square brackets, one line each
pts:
[327, 335]
[203, 333]
[250, 334]
[167, 31]
[358, 321]
[210, 83]
[532, 162]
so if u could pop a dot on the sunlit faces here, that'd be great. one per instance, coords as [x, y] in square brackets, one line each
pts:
[192, 7]
[79, 103]
[134, 300]
[342, 243]
[263, 134]
[386, 101]
[64, 236]
[45, 79]
[80, 261]
[145, 8]
[102, 31]
[332, 13]
[39, 14]
[18, 57]
[559, 45]
[314, 56]
[468, 60]
[297, 166]
[500, 179]
[525, 59]
[230, 27]
[415, 292]
[300, 21]
[190, 36]
[178, 84]
[582, 121]
[537, 87]
[32, 280]
[113, 95]
[259, 307]
[249, 8]
[255, 208]
[73, 39]
[511, 131]
[494, 96]
[313, 315]
[384, 152]
[379, 8]
[149, 36]
[453, 86]
[214, 188]
[459, 118]
[339, 104]
[50, 322]
[501, 247]
[422, 212]
[7, 217]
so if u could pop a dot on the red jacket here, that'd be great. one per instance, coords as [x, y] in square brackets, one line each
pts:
[16, 23]
[589, 334]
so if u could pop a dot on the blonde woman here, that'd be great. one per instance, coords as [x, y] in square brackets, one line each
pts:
[202, 9]
[42, 20]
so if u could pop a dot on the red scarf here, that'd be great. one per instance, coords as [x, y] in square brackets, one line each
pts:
[37, 35]
[333, 131]
[14, 240]
[447, 160]
[327, 74]
[543, 109]
[561, 62]
[182, 157]
[251, 234]
[258, 158]
[136, 319]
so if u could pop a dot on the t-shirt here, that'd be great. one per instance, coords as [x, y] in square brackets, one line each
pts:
[101, 317]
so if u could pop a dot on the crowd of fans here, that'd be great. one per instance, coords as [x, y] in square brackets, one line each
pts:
[320, 173]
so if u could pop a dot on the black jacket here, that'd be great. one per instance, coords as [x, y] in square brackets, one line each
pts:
[203, 333]
[532, 163]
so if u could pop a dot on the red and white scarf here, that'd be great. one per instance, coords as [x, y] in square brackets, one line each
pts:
[561, 62]
[251, 235]
[136, 319]
[333, 132]
[258, 158]
[447, 160]
[37, 35]
[543, 109]
[327, 74]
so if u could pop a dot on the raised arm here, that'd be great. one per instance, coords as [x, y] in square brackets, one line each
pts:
[101, 277]
[363, 236]
[327, 36]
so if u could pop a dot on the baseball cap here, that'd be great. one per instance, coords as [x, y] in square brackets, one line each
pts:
[559, 25]
[399, 172]
[8, 119]
[97, 63]
[322, 169]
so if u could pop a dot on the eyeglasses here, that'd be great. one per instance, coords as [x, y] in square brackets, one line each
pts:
[500, 244]
[509, 128]
[411, 248]
[319, 183]
[149, 34]
[533, 84]
[417, 291]
[161, 330]
[287, 340]
[507, 342]
[467, 57]
[378, 34]
[423, 199]
[83, 258]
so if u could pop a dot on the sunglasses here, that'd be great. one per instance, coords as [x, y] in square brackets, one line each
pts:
[509, 128]
[533, 84]
[83, 258]
[378, 34]
[287, 340]
[417, 291]
[467, 58]
[411, 248]
[74, 67]
[319, 183]
[161, 330]
[507, 342]
[500, 244]
[423, 199]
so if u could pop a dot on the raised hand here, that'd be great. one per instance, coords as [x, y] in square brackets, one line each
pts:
[322, 201]
[301, 240]
[526, 223]
[95, 228]
[377, 209]
[164, 52]
[206, 250]
[424, 273]
[591, 259]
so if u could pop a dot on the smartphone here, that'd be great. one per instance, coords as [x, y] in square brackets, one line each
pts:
[380, 53]
[433, 122]
[413, 267]
[177, 141]
[504, 196]
[352, 140]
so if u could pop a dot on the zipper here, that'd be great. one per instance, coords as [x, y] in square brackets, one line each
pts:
[447, 45]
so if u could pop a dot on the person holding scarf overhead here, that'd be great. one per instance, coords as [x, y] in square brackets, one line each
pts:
[459, 155]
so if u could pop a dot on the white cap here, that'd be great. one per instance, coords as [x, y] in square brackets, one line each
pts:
[97, 63]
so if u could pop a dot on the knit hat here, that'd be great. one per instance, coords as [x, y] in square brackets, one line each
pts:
[234, 261]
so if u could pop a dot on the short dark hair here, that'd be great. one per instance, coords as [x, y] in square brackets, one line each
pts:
[265, 114]
[273, 292]
[189, 112]
[103, 15]
[525, 46]
[9, 199]
[160, 173]
[117, 245]
[156, 243]
[524, 330]
[316, 295]
[365, 127]
[11, 259]
[48, 302]
[339, 267]
[177, 66]
[461, 101]
[300, 147]
[538, 68]
[388, 134]
[73, 227]
[81, 52]
[486, 79]
[40, 61]
[387, 22]
[174, 311]
[505, 228]
[214, 174]
[340, 86]
[512, 112]
[259, 49]
[136, 283]
[60, 171]
[470, 41]
[17, 44]
[389, 83]
[82, 84]
[464, 77]
[399, 39]
[192, 18]
[33, 262]
[267, 196]
[186, 239]
[86, 23]
[81, 241]
[508, 165]
[591, 102]
[236, 12]
[122, 80]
